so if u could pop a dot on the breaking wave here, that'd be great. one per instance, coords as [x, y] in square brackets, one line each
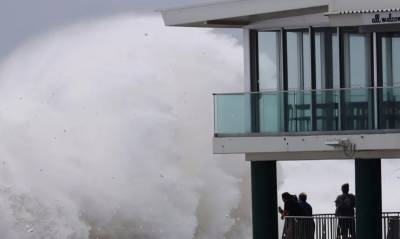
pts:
[106, 131]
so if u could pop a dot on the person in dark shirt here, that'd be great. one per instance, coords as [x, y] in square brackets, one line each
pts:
[305, 207]
[291, 208]
[306, 224]
[345, 204]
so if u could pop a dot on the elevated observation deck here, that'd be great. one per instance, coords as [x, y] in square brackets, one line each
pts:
[332, 123]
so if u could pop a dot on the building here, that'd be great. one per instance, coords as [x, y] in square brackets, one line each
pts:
[322, 82]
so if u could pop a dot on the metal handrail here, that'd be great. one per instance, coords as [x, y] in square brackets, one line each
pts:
[316, 216]
[330, 226]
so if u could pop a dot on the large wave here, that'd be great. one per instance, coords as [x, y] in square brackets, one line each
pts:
[106, 132]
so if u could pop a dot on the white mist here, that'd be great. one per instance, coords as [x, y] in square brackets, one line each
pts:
[106, 132]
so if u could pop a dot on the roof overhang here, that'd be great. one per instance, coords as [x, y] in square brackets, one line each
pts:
[371, 13]
[368, 20]
[351, 6]
[237, 14]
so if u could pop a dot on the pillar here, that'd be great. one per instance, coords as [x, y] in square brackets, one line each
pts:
[368, 198]
[264, 200]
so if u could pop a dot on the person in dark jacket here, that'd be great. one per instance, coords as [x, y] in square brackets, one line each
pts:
[291, 208]
[345, 204]
[306, 224]
[304, 205]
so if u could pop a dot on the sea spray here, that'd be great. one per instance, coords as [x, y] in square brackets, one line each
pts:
[106, 132]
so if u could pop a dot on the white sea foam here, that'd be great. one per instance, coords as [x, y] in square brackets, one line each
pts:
[106, 132]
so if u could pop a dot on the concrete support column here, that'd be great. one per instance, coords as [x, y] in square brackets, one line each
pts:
[368, 198]
[264, 200]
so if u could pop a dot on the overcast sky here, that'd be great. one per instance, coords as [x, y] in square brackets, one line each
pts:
[21, 19]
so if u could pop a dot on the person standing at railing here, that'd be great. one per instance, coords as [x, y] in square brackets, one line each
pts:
[345, 204]
[304, 205]
[291, 208]
[306, 224]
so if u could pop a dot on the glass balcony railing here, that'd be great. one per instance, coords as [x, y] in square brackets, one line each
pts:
[275, 112]
[389, 108]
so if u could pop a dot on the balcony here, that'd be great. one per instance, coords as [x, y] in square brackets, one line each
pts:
[307, 112]
[328, 226]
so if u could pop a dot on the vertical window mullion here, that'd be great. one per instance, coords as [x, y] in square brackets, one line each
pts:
[313, 80]
[372, 92]
[372, 46]
[340, 35]
[254, 86]
[379, 80]
[285, 83]
[379, 57]
[284, 60]
[254, 72]
[313, 59]
[375, 60]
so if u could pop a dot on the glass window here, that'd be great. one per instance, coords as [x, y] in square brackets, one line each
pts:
[390, 59]
[298, 108]
[269, 79]
[269, 60]
[358, 105]
[298, 60]
[389, 96]
[327, 60]
[327, 77]
[357, 60]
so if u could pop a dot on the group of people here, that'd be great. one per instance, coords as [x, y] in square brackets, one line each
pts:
[299, 223]
[302, 226]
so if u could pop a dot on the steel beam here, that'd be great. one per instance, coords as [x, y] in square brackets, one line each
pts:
[368, 198]
[264, 200]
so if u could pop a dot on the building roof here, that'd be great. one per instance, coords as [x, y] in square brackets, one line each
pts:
[241, 13]
[238, 13]
[363, 6]
[364, 11]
